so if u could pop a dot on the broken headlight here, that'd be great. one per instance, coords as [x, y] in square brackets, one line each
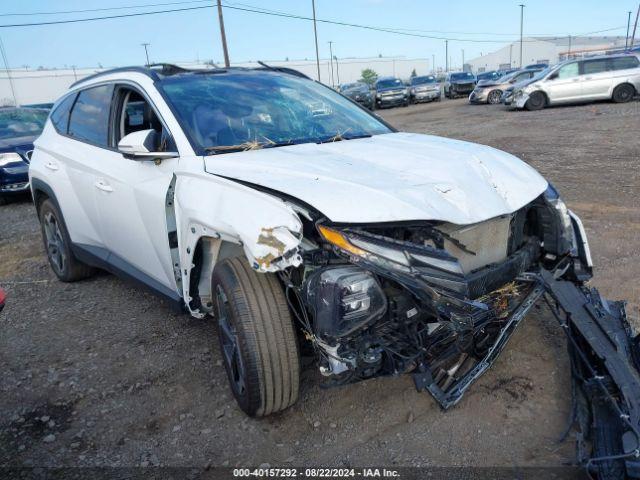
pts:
[558, 232]
[344, 299]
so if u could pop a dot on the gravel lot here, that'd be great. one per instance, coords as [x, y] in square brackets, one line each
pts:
[100, 373]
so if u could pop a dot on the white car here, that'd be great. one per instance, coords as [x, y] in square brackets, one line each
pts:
[296, 218]
[606, 77]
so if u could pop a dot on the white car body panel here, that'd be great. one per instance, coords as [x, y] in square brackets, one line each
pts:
[391, 177]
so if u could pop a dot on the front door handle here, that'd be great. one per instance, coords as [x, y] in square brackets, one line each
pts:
[52, 166]
[104, 186]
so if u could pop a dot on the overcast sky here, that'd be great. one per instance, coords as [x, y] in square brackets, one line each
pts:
[194, 34]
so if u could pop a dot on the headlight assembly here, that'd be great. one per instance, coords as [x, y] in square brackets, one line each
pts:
[7, 158]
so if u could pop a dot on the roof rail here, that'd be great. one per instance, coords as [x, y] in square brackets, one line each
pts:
[288, 70]
[144, 70]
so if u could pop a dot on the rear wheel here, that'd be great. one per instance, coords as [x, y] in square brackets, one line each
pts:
[57, 244]
[623, 93]
[536, 101]
[257, 338]
[494, 97]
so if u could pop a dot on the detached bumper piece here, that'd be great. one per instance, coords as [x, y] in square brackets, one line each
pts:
[605, 363]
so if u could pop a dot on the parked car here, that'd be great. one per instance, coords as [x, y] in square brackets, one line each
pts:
[537, 66]
[19, 127]
[391, 92]
[613, 77]
[459, 83]
[490, 92]
[424, 89]
[489, 76]
[3, 297]
[231, 194]
[361, 93]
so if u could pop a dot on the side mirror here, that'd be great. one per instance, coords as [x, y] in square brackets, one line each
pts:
[140, 145]
[553, 76]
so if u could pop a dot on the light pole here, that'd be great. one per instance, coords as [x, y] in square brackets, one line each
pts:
[569, 52]
[223, 36]
[446, 55]
[433, 63]
[521, 25]
[146, 52]
[463, 59]
[331, 60]
[6, 69]
[315, 34]
[511, 55]
[337, 69]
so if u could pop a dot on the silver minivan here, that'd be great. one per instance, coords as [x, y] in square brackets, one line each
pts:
[615, 77]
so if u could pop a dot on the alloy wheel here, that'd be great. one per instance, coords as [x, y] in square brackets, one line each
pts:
[55, 243]
[230, 344]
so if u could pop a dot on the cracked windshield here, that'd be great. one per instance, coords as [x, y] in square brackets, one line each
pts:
[225, 112]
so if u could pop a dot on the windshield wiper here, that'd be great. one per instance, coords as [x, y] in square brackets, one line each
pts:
[246, 146]
[338, 137]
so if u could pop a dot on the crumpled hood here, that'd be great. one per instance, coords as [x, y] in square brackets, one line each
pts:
[391, 177]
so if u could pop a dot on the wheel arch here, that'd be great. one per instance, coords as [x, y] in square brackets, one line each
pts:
[210, 218]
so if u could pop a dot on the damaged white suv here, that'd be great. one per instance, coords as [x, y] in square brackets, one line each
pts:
[302, 222]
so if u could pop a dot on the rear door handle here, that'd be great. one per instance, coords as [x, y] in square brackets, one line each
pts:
[52, 166]
[102, 185]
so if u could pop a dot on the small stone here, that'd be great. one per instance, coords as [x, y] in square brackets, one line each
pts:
[75, 445]
[144, 463]
[176, 428]
[333, 425]
[316, 424]
[264, 465]
[205, 431]
[51, 424]
[219, 413]
[410, 417]
[182, 416]
[225, 463]
[49, 438]
[21, 448]
[44, 418]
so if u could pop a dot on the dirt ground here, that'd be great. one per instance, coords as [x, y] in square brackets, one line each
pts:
[100, 373]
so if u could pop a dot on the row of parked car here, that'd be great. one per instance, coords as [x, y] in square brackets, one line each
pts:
[608, 77]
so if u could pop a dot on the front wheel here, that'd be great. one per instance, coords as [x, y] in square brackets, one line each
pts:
[623, 93]
[494, 97]
[536, 101]
[257, 338]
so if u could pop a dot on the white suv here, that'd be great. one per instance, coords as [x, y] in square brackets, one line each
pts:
[296, 218]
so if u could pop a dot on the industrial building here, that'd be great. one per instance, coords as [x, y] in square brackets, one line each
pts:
[24, 86]
[544, 50]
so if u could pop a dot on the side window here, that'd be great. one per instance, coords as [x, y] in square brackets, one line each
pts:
[590, 67]
[89, 119]
[135, 113]
[569, 70]
[60, 115]
[623, 63]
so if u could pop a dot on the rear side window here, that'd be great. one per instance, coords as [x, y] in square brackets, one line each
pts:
[89, 119]
[595, 66]
[60, 115]
[623, 63]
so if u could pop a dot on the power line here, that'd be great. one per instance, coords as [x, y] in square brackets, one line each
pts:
[104, 9]
[261, 11]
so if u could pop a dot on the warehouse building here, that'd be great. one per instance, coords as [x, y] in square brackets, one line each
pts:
[24, 86]
[545, 50]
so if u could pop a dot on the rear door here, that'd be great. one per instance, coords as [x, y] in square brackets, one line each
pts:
[564, 84]
[597, 78]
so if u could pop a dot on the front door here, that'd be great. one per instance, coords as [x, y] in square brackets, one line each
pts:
[564, 84]
[132, 195]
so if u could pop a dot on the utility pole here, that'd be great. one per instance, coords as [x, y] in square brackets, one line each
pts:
[433, 63]
[75, 77]
[635, 25]
[510, 55]
[569, 53]
[315, 34]
[521, 25]
[446, 55]
[223, 36]
[463, 59]
[337, 69]
[146, 52]
[331, 60]
[6, 68]
[626, 39]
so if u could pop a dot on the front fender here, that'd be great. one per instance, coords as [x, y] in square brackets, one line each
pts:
[268, 230]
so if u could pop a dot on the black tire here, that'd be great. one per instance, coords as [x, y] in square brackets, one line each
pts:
[494, 97]
[623, 93]
[257, 338]
[57, 245]
[536, 101]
